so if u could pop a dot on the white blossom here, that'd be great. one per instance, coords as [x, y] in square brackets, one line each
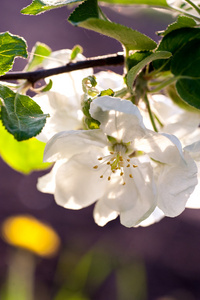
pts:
[125, 168]
[63, 101]
[184, 124]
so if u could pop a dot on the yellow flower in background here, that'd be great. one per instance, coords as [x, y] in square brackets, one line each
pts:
[27, 232]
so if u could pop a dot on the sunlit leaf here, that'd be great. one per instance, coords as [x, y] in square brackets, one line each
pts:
[87, 16]
[11, 46]
[21, 116]
[39, 52]
[38, 6]
[181, 22]
[24, 156]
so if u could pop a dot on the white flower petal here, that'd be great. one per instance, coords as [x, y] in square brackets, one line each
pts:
[119, 118]
[164, 148]
[155, 217]
[77, 183]
[175, 185]
[64, 114]
[132, 201]
[181, 123]
[164, 108]
[126, 217]
[194, 199]
[109, 80]
[46, 183]
[194, 150]
[65, 144]
[69, 84]
[103, 213]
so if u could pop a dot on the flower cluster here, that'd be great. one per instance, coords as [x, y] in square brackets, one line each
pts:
[124, 166]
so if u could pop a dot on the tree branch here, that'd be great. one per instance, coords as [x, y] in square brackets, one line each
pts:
[33, 76]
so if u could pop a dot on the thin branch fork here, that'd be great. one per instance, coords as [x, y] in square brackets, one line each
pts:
[34, 76]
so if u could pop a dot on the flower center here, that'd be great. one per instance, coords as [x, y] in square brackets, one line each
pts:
[118, 162]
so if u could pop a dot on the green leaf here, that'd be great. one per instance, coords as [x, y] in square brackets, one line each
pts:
[39, 52]
[136, 57]
[86, 15]
[88, 9]
[132, 74]
[173, 42]
[38, 6]
[172, 93]
[181, 22]
[25, 156]
[185, 66]
[186, 61]
[11, 46]
[189, 91]
[21, 116]
[160, 3]
[131, 39]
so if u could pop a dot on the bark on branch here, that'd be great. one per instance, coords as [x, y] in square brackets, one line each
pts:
[34, 76]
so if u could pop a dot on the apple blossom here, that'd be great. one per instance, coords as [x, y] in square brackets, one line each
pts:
[194, 151]
[184, 124]
[63, 101]
[106, 165]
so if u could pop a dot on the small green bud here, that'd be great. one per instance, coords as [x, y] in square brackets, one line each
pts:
[108, 92]
[92, 123]
[75, 51]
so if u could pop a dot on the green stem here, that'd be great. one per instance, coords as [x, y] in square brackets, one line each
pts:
[163, 85]
[150, 113]
[121, 92]
[103, 15]
[20, 282]
[193, 5]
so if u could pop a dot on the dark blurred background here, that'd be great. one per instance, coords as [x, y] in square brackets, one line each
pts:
[160, 262]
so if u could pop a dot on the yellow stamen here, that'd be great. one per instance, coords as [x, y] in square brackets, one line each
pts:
[130, 175]
[134, 166]
[101, 176]
[95, 167]
[128, 165]
[128, 159]
[109, 178]
[100, 158]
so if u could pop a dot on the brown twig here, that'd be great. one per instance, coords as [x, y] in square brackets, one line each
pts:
[34, 76]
